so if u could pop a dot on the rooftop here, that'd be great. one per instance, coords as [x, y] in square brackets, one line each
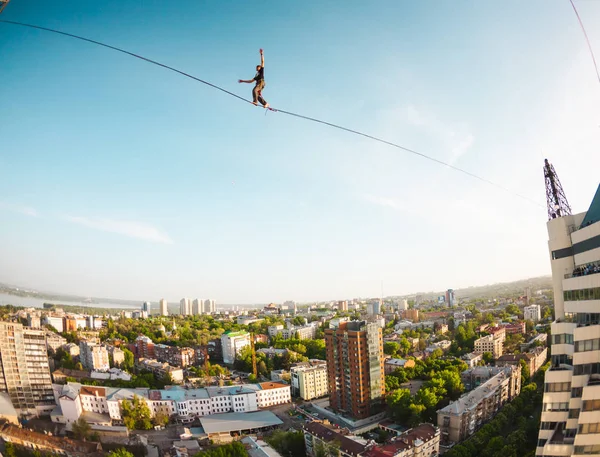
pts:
[414, 437]
[272, 385]
[230, 422]
[347, 445]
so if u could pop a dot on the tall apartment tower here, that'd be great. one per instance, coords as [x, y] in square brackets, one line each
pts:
[24, 369]
[210, 306]
[355, 368]
[163, 307]
[185, 307]
[571, 409]
[198, 306]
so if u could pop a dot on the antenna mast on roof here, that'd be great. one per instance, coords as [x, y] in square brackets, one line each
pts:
[558, 206]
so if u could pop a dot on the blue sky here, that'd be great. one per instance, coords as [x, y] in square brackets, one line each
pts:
[121, 179]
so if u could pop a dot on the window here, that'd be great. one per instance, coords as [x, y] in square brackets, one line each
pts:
[574, 413]
[557, 387]
[587, 368]
[587, 345]
[590, 449]
[591, 405]
[577, 392]
[563, 338]
[585, 429]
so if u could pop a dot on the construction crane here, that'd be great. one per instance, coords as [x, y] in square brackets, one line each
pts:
[3, 4]
[254, 370]
[558, 206]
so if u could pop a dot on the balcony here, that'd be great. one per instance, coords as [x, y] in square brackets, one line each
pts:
[584, 270]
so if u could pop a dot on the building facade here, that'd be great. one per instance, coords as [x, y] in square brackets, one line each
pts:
[93, 356]
[185, 307]
[309, 379]
[173, 355]
[163, 307]
[210, 306]
[571, 409]
[355, 368]
[533, 313]
[462, 418]
[144, 347]
[490, 343]
[25, 370]
[232, 344]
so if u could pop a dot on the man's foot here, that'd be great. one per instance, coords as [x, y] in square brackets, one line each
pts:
[266, 105]
[255, 104]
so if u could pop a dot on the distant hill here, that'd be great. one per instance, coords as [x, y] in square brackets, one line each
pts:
[503, 289]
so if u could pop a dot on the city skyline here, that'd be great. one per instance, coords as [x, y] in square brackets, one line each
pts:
[126, 175]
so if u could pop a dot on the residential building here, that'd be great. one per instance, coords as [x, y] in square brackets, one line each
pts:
[306, 332]
[25, 370]
[420, 441]
[33, 321]
[491, 344]
[462, 418]
[232, 344]
[163, 307]
[355, 368]
[93, 322]
[309, 379]
[317, 435]
[161, 369]
[273, 330]
[515, 328]
[93, 356]
[472, 359]
[210, 306]
[54, 341]
[215, 349]
[256, 447]
[146, 308]
[532, 313]
[390, 365]
[411, 315]
[342, 305]
[173, 355]
[185, 307]
[117, 355]
[374, 307]
[403, 305]
[55, 321]
[534, 359]
[198, 306]
[273, 393]
[476, 376]
[144, 347]
[571, 409]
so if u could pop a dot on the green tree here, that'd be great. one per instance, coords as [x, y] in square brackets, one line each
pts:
[120, 452]
[81, 429]
[235, 449]
[525, 374]
[488, 357]
[9, 449]
[252, 378]
[161, 418]
[391, 348]
[128, 360]
[288, 443]
[136, 414]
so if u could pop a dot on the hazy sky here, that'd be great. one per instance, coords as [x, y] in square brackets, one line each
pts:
[121, 179]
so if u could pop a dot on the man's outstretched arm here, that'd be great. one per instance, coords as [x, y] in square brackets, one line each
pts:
[262, 59]
[250, 81]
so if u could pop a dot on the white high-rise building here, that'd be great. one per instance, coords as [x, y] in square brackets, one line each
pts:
[210, 306]
[198, 306]
[232, 344]
[93, 356]
[163, 307]
[185, 307]
[570, 423]
[533, 313]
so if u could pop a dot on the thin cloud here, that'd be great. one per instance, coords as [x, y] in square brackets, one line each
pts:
[131, 229]
[25, 210]
[456, 138]
[385, 201]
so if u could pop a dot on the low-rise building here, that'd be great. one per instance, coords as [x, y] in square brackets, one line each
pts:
[55, 321]
[462, 418]
[54, 341]
[390, 365]
[161, 369]
[420, 441]
[472, 359]
[117, 355]
[93, 356]
[273, 393]
[515, 328]
[491, 344]
[72, 349]
[175, 356]
[538, 340]
[317, 435]
[534, 359]
[533, 313]
[309, 379]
